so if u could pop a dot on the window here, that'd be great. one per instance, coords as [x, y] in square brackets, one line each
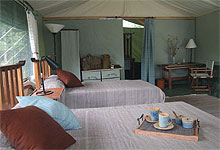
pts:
[14, 40]
[127, 24]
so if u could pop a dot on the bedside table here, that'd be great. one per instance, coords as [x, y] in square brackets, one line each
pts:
[55, 95]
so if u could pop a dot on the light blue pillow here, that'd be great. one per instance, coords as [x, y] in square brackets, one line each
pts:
[58, 111]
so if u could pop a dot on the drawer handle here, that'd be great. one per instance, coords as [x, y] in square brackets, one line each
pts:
[92, 77]
[112, 74]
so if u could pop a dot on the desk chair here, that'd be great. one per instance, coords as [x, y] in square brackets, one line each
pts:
[202, 73]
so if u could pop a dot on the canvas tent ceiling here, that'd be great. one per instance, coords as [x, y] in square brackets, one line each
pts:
[124, 8]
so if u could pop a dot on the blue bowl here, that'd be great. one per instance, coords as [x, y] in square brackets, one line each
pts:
[188, 123]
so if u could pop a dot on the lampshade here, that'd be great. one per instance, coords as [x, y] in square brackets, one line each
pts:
[54, 28]
[191, 44]
[51, 62]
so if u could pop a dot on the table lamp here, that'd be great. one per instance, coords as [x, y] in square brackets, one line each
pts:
[191, 44]
[53, 66]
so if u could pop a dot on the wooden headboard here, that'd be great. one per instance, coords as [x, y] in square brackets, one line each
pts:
[11, 84]
[46, 71]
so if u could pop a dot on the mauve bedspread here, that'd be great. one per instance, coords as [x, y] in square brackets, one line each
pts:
[113, 128]
[112, 93]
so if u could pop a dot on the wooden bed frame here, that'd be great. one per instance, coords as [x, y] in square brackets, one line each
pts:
[46, 71]
[11, 84]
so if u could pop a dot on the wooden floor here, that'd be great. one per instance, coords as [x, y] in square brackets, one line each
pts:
[209, 104]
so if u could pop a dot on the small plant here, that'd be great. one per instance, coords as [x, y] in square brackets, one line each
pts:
[173, 45]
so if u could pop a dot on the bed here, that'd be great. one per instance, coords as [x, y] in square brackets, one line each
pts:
[105, 94]
[113, 128]
[112, 93]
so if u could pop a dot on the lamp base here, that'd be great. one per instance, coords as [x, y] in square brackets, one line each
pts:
[191, 51]
[42, 93]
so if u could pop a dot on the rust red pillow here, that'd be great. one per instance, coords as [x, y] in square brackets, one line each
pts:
[68, 78]
[32, 128]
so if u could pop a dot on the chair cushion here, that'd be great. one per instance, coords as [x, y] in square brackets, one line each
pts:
[58, 111]
[200, 75]
[32, 128]
[68, 78]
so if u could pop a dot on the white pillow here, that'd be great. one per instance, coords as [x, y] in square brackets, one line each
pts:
[53, 77]
[53, 82]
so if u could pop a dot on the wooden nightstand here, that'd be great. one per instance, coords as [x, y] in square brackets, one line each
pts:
[55, 95]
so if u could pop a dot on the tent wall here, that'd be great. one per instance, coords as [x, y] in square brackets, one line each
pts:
[208, 41]
[207, 37]
[41, 41]
[184, 30]
[97, 37]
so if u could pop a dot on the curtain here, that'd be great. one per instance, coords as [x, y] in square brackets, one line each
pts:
[147, 61]
[33, 34]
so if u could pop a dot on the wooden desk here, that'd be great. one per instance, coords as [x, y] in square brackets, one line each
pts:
[55, 95]
[170, 67]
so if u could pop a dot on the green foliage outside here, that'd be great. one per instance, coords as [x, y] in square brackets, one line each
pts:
[137, 42]
[14, 39]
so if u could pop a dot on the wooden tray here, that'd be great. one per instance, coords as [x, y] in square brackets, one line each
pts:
[177, 132]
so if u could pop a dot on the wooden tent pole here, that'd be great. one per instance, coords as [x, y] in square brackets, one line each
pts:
[104, 17]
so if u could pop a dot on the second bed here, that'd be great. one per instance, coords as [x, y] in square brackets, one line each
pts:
[101, 94]
[112, 93]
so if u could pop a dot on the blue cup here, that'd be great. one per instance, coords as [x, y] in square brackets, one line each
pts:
[164, 120]
[179, 119]
[188, 123]
[154, 113]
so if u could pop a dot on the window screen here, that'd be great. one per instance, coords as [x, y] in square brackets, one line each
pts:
[14, 40]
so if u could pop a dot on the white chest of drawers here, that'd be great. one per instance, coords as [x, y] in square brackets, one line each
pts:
[101, 75]
[108, 75]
